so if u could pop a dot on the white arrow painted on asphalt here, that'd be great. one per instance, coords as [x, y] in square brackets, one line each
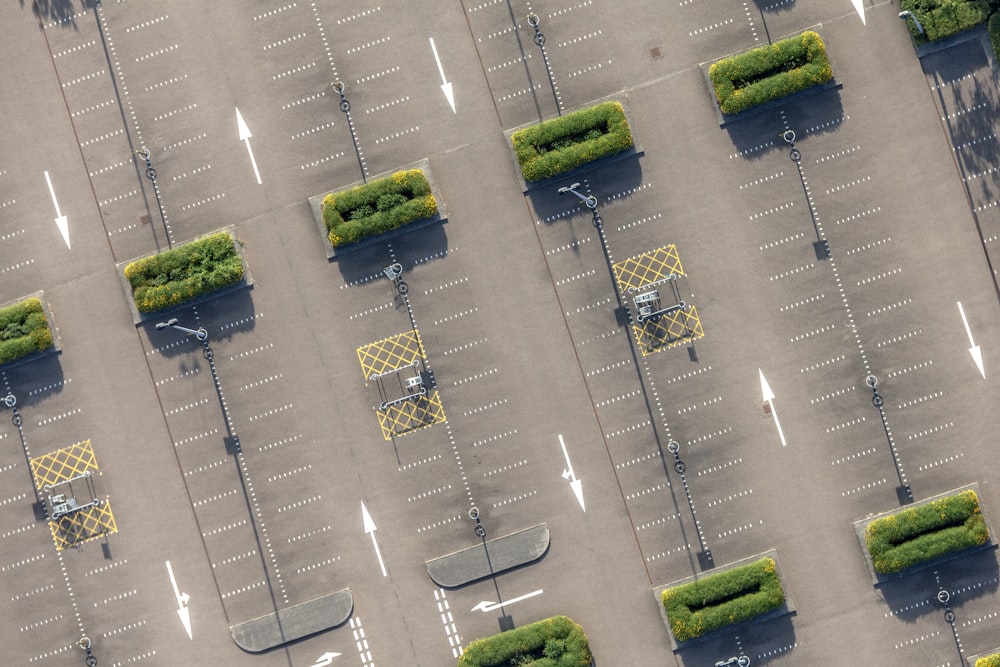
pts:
[325, 659]
[445, 85]
[61, 222]
[370, 529]
[574, 483]
[765, 389]
[245, 137]
[182, 600]
[974, 350]
[860, 8]
[489, 605]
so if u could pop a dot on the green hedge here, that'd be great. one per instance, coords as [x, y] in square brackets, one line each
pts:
[553, 642]
[989, 661]
[722, 599]
[770, 72]
[23, 330]
[378, 207]
[170, 278]
[944, 18]
[993, 28]
[558, 145]
[911, 536]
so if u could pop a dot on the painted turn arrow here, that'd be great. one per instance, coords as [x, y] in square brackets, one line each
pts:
[325, 659]
[245, 135]
[765, 389]
[370, 530]
[182, 601]
[61, 222]
[445, 85]
[574, 483]
[974, 350]
[489, 605]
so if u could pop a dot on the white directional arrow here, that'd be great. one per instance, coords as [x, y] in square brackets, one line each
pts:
[574, 483]
[974, 350]
[182, 600]
[489, 605]
[325, 659]
[245, 137]
[860, 8]
[61, 222]
[370, 529]
[765, 389]
[445, 85]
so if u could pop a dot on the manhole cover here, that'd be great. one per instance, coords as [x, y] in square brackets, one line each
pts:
[655, 52]
[145, 219]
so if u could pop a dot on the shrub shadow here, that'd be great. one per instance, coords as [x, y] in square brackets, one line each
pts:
[968, 577]
[33, 382]
[222, 317]
[758, 133]
[609, 180]
[416, 247]
[764, 640]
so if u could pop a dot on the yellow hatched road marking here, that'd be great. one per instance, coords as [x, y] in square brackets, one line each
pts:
[390, 353]
[672, 329]
[647, 268]
[83, 525]
[62, 464]
[411, 415]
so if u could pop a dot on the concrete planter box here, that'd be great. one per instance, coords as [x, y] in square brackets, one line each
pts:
[316, 206]
[861, 525]
[724, 119]
[786, 609]
[139, 318]
[55, 348]
[634, 151]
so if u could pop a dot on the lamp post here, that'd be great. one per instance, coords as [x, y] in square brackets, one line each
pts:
[907, 14]
[533, 21]
[481, 532]
[85, 643]
[200, 333]
[151, 175]
[345, 106]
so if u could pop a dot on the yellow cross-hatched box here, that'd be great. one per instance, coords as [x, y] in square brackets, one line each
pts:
[670, 330]
[63, 464]
[390, 353]
[410, 415]
[649, 267]
[83, 525]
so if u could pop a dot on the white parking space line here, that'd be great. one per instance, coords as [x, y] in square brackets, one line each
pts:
[721, 466]
[892, 306]
[454, 641]
[853, 422]
[428, 494]
[414, 464]
[855, 456]
[195, 438]
[279, 443]
[863, 487]
[939, 462]
[715, 26]
[514, 499]
[930, 431]
[484, 408]
[171, 114]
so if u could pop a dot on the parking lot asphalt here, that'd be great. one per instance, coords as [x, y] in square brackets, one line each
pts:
[841, 236]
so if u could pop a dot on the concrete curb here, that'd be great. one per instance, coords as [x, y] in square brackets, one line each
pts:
[786, 609]
[507, 552]
[861, 525]
[141, 318]
[286, 625]
[316, 206]
[55, 348]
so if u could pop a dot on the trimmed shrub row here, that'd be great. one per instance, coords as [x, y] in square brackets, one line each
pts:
[722, 599]
[770, 72]
[944, 18]
[23, 330]
[911, 536]
[378, 207]
[555, 146]
[170, 278]
[553, 642]
[989, 661]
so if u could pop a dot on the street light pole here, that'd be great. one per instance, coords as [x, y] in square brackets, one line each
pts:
[200, 333]
[151, 175]
[481, 532]
[907, 14]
